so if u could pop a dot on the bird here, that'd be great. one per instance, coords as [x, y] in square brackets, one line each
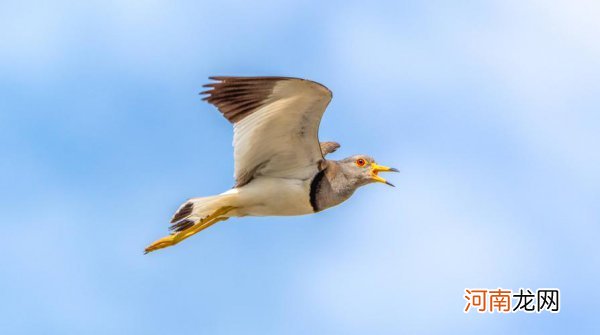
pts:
[280, 167]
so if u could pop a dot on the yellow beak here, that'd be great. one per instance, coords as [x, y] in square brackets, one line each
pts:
[375, 169]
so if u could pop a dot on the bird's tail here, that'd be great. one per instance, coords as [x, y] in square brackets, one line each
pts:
[195, 215]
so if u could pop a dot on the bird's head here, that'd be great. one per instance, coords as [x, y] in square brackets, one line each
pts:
[362, 170]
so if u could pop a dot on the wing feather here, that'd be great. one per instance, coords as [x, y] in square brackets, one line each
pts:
[276, 124]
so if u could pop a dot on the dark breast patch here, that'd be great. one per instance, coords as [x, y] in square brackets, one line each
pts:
[315, 185]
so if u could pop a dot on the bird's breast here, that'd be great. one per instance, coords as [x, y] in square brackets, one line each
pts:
[268, 196]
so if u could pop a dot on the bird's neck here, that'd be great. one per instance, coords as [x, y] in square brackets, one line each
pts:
[330, 187]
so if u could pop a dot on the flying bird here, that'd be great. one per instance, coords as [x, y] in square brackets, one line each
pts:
[280, 165]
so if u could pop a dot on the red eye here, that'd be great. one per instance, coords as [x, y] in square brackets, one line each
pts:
[360, 162]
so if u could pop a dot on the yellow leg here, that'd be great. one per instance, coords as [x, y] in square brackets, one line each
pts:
[173, 239]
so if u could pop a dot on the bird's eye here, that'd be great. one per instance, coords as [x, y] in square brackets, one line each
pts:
[360, 162]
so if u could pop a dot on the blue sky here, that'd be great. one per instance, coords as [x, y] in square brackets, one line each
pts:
[490, 110]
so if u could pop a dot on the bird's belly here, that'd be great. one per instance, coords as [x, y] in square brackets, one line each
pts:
[275, 197]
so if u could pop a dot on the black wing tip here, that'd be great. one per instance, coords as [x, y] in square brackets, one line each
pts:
[222, 79]
[236, 97]
[248, 78]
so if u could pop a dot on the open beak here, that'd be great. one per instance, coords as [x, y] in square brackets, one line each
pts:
[375, 169]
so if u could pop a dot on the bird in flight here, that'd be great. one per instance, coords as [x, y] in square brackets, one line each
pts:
[280, 165]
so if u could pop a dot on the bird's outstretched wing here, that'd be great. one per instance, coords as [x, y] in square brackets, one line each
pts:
[276, 124]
